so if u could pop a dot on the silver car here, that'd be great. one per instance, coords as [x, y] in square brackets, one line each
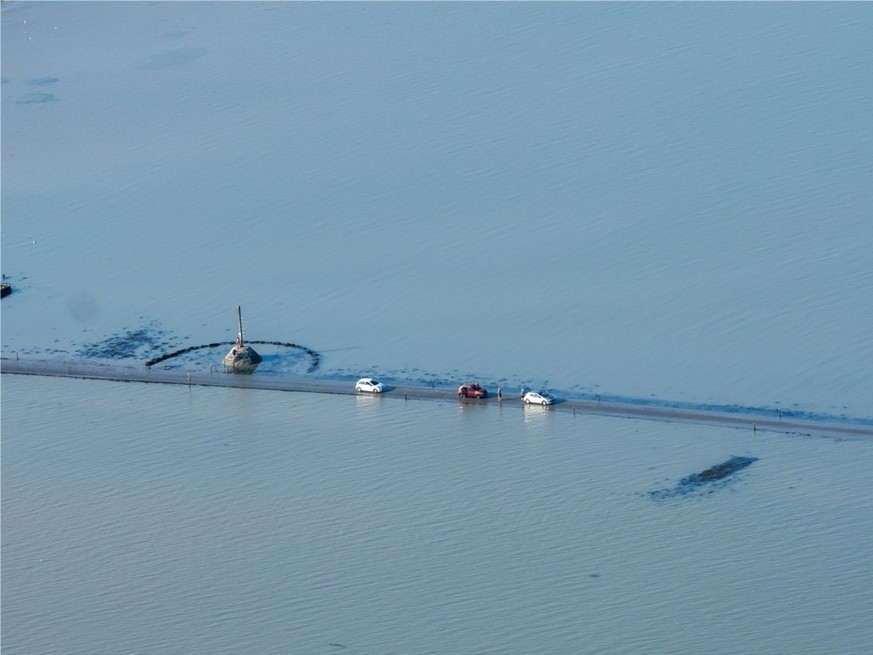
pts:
[369, 384]
[538, 398]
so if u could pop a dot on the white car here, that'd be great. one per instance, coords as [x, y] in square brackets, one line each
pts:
[369, 384]
[538, 398]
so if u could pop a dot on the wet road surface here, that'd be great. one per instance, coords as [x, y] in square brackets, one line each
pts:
[219, 378]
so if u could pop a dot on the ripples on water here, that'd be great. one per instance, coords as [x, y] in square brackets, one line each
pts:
[263, 521]
[648, 201]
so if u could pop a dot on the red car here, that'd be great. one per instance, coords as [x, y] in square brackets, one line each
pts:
[472, 391]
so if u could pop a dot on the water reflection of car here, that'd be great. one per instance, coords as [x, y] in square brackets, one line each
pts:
[472, 391]
[370, 385]
[538, 398]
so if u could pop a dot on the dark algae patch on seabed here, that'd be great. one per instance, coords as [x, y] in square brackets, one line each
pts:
[706, 481]
[153, 342]
[131, 344]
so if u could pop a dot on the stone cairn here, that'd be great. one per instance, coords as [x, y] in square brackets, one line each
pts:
[242, 358]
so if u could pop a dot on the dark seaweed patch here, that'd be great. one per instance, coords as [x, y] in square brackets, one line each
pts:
[705, 480]
[719, 471]
[123, 346]
[314, 357]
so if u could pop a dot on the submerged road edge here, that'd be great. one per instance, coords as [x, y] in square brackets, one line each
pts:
[346, 388]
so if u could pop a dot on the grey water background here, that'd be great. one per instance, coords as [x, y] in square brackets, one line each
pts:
[667, 203]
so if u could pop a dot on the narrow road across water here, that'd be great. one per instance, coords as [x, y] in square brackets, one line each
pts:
[219, 378]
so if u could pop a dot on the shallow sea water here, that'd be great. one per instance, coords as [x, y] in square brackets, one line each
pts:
[147, 518]
[644, 202]
[654, 202]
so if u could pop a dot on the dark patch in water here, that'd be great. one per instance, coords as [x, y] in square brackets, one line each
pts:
[36, 99]
[126, 345]
[707, 479]
[314, 357]
[42, 81]
[719, 471]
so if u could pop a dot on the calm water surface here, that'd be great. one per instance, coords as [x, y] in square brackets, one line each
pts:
[662, 202]
[151, 519]
[623, 199]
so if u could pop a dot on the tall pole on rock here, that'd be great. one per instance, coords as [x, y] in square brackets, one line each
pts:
[241, 358]
[239, 315]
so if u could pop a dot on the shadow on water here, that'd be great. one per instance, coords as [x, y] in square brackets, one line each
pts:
[712, 478]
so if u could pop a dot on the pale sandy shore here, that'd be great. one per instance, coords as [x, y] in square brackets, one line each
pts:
[218, 378]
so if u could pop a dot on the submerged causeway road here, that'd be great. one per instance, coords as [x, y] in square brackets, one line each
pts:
[751, 420]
